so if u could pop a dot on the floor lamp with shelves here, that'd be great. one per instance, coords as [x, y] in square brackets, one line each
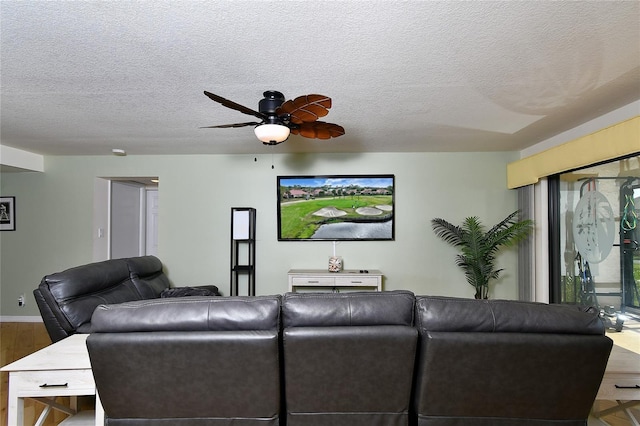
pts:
[243, 249]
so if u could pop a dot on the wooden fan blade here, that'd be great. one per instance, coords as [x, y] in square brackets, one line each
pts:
[230, 104]
[306, 109]
[224, 126]
[318, 130]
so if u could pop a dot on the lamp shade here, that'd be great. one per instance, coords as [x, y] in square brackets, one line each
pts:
[272, 133]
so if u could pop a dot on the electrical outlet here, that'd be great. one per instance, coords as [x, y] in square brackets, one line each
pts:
[21, 301]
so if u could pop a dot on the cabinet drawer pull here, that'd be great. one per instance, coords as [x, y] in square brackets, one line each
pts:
[627, 387]
[62, 385]
[356, 282]
[313, 281]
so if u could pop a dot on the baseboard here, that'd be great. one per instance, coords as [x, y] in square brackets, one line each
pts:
[6, 318]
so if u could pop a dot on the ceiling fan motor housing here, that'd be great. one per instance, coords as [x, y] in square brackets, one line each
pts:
[268, 106]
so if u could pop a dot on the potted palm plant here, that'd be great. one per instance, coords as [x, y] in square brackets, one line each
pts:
[479, 247]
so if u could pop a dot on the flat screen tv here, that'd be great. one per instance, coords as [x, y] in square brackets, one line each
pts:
[336, 208]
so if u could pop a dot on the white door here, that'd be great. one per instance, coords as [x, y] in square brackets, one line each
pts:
[127, 220]
[152, 222]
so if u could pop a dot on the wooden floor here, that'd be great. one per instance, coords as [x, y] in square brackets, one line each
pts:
[16, 341]
[20, 339]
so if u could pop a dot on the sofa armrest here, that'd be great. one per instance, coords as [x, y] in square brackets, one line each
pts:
[51, 322]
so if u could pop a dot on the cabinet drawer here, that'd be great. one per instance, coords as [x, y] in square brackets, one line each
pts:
[312, 281]
[609, 392]
[52, 383]
[357, 281]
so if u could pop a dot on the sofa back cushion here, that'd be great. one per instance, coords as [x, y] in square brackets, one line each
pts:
[189, 314]
[348, 309]
[502, 316]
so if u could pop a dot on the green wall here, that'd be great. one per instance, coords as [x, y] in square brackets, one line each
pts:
[55, 218]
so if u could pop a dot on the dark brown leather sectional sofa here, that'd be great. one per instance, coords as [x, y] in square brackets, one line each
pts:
[356, 359]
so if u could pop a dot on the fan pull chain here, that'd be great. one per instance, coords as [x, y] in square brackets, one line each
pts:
[255, 159]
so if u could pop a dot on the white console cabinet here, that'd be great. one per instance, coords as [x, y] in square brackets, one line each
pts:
[322, 280]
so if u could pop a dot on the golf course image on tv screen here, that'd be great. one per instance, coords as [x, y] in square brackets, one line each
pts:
[336, 207]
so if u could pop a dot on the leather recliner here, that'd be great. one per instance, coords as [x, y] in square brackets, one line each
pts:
[188, 361]
[67, 299]
[507, 363]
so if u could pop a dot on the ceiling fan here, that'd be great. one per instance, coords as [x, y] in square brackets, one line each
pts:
[279, 117]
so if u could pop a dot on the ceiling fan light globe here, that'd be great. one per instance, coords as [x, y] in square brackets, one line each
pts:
[272, 133]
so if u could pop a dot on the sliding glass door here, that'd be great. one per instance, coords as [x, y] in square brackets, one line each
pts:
[595, 233]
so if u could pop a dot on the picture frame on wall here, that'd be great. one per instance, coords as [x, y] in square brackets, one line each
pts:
[7, 213]
[336, 208]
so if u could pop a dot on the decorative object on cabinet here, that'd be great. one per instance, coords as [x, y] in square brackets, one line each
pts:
[243, 249]
[336, 208]
[7, 213]
[335, 262]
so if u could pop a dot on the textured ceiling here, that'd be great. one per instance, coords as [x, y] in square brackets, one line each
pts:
[83, 77]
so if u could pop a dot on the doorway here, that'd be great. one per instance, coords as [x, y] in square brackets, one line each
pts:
[125, 217]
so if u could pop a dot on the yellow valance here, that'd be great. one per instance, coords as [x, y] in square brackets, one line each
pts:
[616, 141]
